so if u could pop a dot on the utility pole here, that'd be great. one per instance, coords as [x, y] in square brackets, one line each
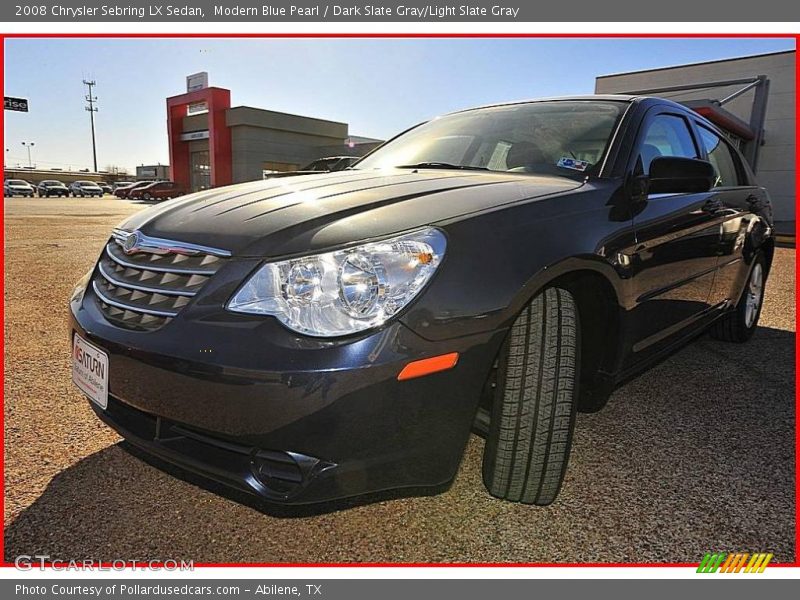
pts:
[29, 145]
[90, 99]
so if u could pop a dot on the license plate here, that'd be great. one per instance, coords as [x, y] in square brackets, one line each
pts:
[90, 370]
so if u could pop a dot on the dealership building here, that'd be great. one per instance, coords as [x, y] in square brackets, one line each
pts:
[147, 172]
[752, 98]
[213, 144]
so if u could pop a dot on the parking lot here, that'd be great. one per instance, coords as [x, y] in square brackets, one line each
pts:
[696, 455]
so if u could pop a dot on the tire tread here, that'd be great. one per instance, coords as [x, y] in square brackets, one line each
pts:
[534, 414]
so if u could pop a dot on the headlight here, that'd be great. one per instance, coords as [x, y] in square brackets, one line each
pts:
[342, 292]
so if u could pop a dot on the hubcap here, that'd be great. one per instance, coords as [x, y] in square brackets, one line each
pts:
[755, 289]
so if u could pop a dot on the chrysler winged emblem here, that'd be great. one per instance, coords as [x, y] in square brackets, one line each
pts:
[130, 244]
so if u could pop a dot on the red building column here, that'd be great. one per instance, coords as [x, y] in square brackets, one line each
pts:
[217, 100]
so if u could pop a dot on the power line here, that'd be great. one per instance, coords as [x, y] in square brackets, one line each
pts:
[91, 108]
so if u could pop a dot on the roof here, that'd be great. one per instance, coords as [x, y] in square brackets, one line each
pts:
[600, 97]
[697, 64]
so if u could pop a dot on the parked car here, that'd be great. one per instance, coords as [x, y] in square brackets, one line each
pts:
[17, 187]
[106, 187]
[52, 187]
[122, 192]
[158, 190]
[344, 162]
[118, 184]
[329, 163]
[499, 268]
[85, 188]
[321, 165]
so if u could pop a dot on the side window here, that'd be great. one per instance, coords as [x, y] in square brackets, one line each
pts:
[721, 156]
[667, 135]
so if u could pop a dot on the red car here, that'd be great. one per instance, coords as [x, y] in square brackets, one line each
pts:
[159, 190]
[123, 191]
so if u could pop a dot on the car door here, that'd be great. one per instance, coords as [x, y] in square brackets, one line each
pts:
[674, 258]
[165, 190]
[738, 202]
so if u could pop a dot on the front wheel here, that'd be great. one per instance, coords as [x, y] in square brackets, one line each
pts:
[147, 197]
[533, 413]
[740, 324]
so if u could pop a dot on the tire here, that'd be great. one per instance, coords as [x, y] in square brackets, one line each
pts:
[739, 324]
[533, 414]
[147, 197]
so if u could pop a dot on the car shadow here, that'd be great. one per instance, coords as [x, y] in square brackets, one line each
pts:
[113, 504]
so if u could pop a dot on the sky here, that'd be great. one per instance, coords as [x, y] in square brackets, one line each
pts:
[379, 86]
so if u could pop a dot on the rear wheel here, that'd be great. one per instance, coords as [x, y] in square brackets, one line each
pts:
[740, 324]
[533, 415]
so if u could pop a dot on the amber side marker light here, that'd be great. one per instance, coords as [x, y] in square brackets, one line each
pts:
[426, 366]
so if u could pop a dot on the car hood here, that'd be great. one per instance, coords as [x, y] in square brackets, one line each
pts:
[291, 215]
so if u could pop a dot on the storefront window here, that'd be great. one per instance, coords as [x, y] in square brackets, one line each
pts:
[201, 171]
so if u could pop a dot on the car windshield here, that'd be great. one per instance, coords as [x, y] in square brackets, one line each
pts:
[559, 137]
[17, 182]
[51, 183]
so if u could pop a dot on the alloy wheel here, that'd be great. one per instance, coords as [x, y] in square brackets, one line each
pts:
[755, 291]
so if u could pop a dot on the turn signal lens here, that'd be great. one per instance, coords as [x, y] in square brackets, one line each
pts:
[426, 366]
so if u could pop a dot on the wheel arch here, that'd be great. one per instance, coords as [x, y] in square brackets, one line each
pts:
[768, 249]
[598, 291]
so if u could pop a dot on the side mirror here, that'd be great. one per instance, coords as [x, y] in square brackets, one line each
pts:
[676, 175]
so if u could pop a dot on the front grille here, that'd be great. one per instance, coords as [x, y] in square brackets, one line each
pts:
[146, 288]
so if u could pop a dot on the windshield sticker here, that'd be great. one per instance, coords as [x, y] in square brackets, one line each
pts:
[573, 163]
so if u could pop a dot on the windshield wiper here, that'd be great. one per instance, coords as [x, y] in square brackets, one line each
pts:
[441, 165]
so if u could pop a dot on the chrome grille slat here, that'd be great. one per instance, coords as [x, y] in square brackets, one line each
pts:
[146, 284]
[114, 255]
[140, 288]
[161, 246]
[132, 308]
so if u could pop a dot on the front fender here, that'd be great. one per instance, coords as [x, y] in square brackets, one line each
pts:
[498, 261]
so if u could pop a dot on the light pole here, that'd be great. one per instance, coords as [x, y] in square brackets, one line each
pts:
[29, 145]
[91, 108]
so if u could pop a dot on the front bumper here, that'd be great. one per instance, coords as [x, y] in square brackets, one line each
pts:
[244, 401]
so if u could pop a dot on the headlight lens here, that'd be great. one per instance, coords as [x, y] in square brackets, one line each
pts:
[346, 291]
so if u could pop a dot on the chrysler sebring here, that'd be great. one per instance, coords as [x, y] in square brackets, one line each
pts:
[494, 270]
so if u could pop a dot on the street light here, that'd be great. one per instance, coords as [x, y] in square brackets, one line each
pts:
[29, 145]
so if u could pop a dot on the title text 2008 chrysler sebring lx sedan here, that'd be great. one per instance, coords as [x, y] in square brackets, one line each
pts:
[308, 339]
